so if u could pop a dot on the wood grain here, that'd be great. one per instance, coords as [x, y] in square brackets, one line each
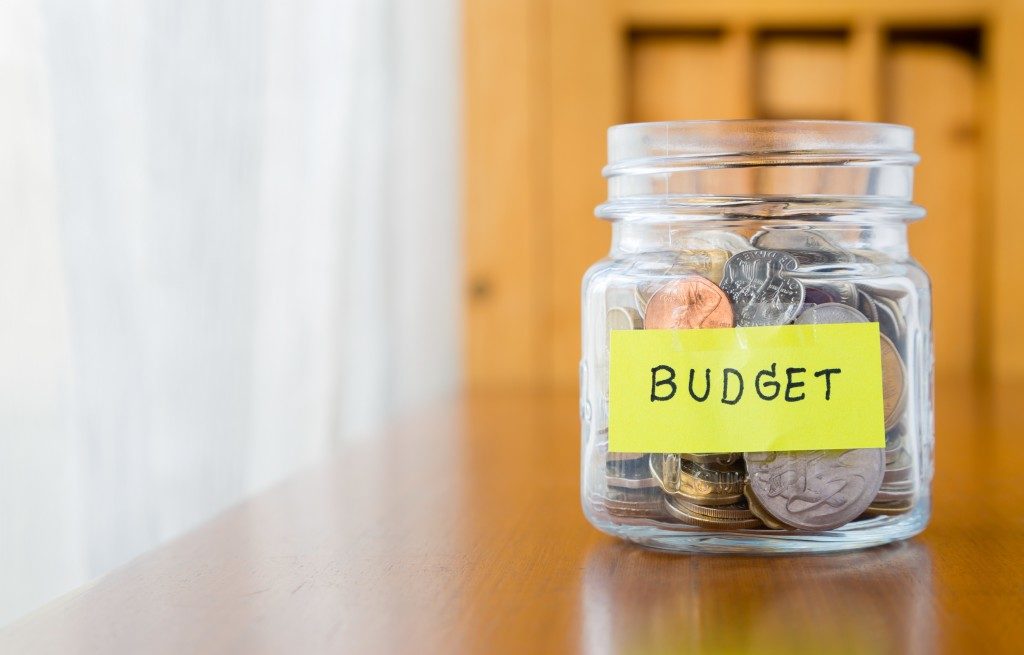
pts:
[689, 76]
[505, 155]
[936, 88]
[460, 531]
[585, 97]
[804, 75]
[1004, 139]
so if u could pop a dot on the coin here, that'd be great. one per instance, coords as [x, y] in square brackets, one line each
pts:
[709, 480]
[896, 311]
[724, 459]
[642, 503]
[618, 457]
[816, 490]
[628, 467]
[636, 511]
[760, 512]
[894, 492]
[761, 293]
[887, 320]
[711, 500]
[808, 247]
[695, 482]
[624, 318]
[899, 471]
[631, 483]
[672, 505]
[720, 239]
[672, 470]
[630, 474]
[894, 376]
[889, 509]
[689, 302]
[831, 312]
[892, 454]
[896, 294]
[818, 295]
[707, 263]
[735, 512]
[894, 436]
[867, 306]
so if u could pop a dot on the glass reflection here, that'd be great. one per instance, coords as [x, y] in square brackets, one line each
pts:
[640, 601]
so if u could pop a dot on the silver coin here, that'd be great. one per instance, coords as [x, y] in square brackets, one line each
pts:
[648, 497]
[847, 292]
[807, 246]
[886, 320]
[637, 503]
[626, 457]
[892, 493]
[899, 471]
[620, 295]
[817, 292]
[891, 456]
[631, 483]
[894, 436]
[633, 467]
[890, 318]
[760, 291]
[828, 313]
[896, 294]
[624, 318]
[680, 511]
[816, 490]
[867, 306]
[711, 239]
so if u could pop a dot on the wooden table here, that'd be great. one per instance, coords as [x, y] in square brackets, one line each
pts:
[461, 532]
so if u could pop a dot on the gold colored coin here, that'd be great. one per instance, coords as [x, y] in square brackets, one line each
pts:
[761, 513]
[699, 481]
[706, 499]
[889, 509]
[894, 382]
[723, 459]
[708, 262]
[684, 516]
[734, 512]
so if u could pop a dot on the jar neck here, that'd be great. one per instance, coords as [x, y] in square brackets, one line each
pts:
[630, 238]
[820, 171]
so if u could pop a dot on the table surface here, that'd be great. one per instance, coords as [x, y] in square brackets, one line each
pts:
[461, 531]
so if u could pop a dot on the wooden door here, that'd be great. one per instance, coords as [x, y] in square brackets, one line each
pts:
[538, 111]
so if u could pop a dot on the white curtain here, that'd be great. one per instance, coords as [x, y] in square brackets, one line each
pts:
[228, 241]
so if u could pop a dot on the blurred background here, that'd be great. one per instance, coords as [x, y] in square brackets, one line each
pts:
[237, 235]
[949, 68]
[229, 243]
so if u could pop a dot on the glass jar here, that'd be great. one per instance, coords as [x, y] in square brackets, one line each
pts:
[757, 350]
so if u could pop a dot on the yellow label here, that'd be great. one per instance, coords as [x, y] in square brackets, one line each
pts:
[790, 387]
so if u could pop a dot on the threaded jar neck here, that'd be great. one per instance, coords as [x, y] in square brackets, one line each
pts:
[810, 170]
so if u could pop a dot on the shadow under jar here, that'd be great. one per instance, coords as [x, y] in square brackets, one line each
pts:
[757, 351]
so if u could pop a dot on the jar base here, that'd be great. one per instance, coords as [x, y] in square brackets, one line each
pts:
[853, 536]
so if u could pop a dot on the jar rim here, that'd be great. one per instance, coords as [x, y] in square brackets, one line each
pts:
[756, 142]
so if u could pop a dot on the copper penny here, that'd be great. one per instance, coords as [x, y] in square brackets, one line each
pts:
[689, 302]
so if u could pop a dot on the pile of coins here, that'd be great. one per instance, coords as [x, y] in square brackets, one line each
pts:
[781, 276]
